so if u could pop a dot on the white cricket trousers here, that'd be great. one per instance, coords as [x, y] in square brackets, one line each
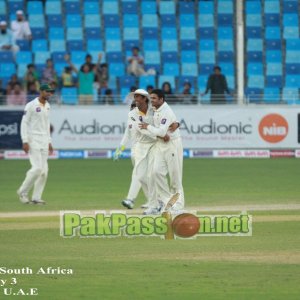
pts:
[36, 177]
[139, 177]
[167, 159]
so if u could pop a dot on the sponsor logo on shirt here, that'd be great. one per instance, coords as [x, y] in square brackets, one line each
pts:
[141, 118]
[38, 109]
[163, 121]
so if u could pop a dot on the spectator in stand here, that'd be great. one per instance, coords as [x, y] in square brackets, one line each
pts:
[108, 98]
[13, 81]
[169, 96]
[20, 27]
[16, 96]
[32, 91]
[86, 79]
[187, 97]
[88, 62]
[49, 74]
[217, 85]
[7, 42]
[149, 89]
[2, 93]
[54, 98]
[31, 77]
[67, 78]
[102, 75]
[136, 63]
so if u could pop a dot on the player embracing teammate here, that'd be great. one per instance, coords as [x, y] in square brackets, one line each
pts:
[163, 158]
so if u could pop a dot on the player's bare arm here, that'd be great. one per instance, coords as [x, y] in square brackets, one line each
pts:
[26, 147]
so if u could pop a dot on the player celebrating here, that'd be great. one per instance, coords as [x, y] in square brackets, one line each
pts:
[167, 156]
[35, 134]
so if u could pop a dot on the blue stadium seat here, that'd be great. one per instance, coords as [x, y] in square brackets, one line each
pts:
[150, 21]
[272, 19]
[69, 95]
[272, 33]
[37, 21]
[290, 20]
[290, 95]
[254, 56]
[129, 8]
[8, 69]
[274, 81]
[73, 21]
[167, 8]
[56, 33]
[23, 45]
[131, 34]
[207, 33]
[3, 8]
[128, 45]
[206, 7]
[78, 57]
[208, 57]
[254, 20]
[272, 7]
[168, 21]
[225, 56]
[58, 57]
[150, 45]
[292, 56]
[225, 33]
[206, 69]
[187, 20]
[116, 69]
[38, 33]
[171, 69]
[293, 44]
[168, 33]
[206, 45]
[76, 45]
[290, 6]
[113, 45]
[127, 81]
[144, 81]
[35, 8]
[74, 34]
[271, 95]
[148, 33]
[39, 45]
[93, 33]
[112, 34]
[110, 7]
[111, 21]
[94, 45]
[53, 8]
[254, 69]
[188, 57]
[130, 21]
[206, 20]
[188, 69]
[187, 33]
[72, 8]
[256, 81]
[273, 44]
[170, 57]
[40, 57]
[152, 57]
[22, 69]
[292, 81]
[228, 69]
[292, 68]
[253, 94]
[91, 8]
[187, 79]
[55, 21]
[92, 21]
[13, 6]
[155, 67]
[225, 7]
[253, 7]
[148, 7]
[167, 78]
[202, 82]
[188, 45]
[225, 20]
[186, 7]
[114, 57]
[254, 32]
[225, 45]
[274, 69]
[6, 57]
[169, 45]
[291, 32]
[273, 56]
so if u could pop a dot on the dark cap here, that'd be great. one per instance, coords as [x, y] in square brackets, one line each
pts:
[46, 87]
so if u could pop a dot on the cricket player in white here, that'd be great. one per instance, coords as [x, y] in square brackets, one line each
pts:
[135, 185]
[35, 134]
[167, 156]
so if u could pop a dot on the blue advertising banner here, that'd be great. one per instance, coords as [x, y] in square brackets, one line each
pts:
[10, 129]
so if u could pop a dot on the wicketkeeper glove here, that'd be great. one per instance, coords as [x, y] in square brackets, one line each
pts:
[118, 152]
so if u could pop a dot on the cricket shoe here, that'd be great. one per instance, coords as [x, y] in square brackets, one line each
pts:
[41, 202]
[23, 197]
[154, 210]
[172, 201]
[128, 203]
[145, 205]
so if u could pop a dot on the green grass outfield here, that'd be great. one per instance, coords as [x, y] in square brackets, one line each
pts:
[264, 266]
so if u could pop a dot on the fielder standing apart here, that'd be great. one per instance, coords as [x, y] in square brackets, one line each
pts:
[35, 134]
